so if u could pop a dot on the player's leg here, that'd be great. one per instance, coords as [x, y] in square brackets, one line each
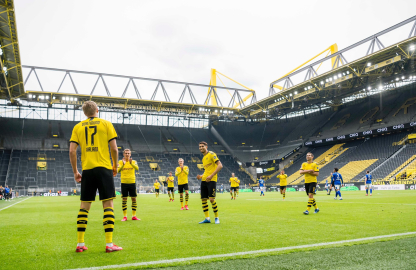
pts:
[88, 190]
[133, 196]
[231, 193]
[124, 195]
[371, 190]
[170, 198]
[283, 192]
[366, 190]
[106, 188]
[186, 196]
[235, 193]
[212, 187]
[204, 200]
[238, 190]
[339, 192]
[180, 190]
[172, 191]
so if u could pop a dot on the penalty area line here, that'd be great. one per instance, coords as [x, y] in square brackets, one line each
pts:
[14, 204]
[254, 252]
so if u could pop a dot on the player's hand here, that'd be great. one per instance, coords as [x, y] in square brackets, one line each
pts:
[124, 162]
[77, 177]
[199, 177]
[209, 177]
[131, 160]
[181, 166]
[114, 170]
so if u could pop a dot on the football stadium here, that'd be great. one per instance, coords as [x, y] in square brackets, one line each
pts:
[316, 170]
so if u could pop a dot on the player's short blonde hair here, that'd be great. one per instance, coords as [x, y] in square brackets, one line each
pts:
[90, 108]
[310, 153]
[126, 150]
[181, 159]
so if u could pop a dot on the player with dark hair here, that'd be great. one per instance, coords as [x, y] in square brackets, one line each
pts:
[311, 170]
[368, 184]
[212, 166]
[94, 136]
[337, 182]
[233, 187]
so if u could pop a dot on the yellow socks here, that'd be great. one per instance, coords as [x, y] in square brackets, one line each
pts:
[215, 208]
[181, 200]
[108, 222]
[124, 206]
[309, 204]
[134, 208]
[186, 199]
[82, 221]
[314, 204]
[205, 208]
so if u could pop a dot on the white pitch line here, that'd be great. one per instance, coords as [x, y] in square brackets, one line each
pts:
[14, 204]
[254, 252]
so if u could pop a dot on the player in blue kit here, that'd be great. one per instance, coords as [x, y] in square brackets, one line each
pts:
[368, 184]
[337, 182]
[261, 185]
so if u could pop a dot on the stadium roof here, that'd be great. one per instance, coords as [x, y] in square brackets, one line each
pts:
[302, 89]
[11, 79]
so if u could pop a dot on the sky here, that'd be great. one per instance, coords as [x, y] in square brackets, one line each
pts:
[253, 42]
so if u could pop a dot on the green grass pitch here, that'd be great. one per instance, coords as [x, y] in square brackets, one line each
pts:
[40, 233]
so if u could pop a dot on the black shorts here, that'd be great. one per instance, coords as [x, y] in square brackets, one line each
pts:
[310, 187]
[128, 190]
[208, 189]
[98, 178]
[157, 190]
[233, 188]
[282, 187]
[171, 189]
[182, 188]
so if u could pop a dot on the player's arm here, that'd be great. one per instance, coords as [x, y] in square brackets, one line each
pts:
[120, 166]
[114, 155]
[135, 165]
[217, 170]
[185, 170]
[177, 172]
[73, 159]
[342, 180]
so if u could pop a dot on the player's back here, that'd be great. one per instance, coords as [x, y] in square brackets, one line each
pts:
[368, 178]
[93, 136]
[261, 182]
[337, 178]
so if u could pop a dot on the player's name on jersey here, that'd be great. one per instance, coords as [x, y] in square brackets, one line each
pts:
[91, 149]
[90, 123]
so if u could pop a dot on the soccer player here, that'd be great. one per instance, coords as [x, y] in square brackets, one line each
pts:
[337, 182]
[212, 166]
[283, 183]
[127, 168]
[171, 186]
[237, 186]
[327, 187]
[94, 136]
[261, 186]
[234, 181]
[311, 171]
[6, 193]
[156, 185]
[182, 173]
[368, 183]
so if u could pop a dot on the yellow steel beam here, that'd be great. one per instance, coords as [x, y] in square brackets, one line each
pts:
[213, 82]
[333, 49]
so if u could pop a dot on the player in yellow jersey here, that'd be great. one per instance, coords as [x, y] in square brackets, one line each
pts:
[311, 171]
[182, 173]
[127, 167]
[94, 136]
[233, 187]
[171, 187]
[237, 186]
[283, 183]
[156, 185]
[212, 166]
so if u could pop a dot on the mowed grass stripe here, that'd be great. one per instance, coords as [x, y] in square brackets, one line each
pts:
[254, 252]
[43, 230]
